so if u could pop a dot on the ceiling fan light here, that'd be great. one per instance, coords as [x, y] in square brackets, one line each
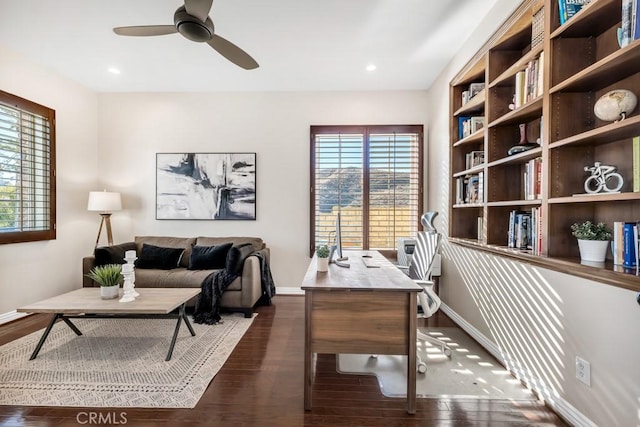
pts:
[194, 31]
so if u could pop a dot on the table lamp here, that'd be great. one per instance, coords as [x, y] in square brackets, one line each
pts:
[104, 202]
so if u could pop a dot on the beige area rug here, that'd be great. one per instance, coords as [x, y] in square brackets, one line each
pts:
[117, 363]
[471, 371]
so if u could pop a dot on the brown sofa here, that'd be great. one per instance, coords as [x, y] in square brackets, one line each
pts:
[241, 295]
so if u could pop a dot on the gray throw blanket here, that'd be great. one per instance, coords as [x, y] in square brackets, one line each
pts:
[207, 308]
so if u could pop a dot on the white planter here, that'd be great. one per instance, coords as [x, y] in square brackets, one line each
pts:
[109, 292]
[593, 250]
[323, 264]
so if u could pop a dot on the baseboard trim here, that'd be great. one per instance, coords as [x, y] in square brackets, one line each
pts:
[288, 290]
[10, 316]
[563, 408]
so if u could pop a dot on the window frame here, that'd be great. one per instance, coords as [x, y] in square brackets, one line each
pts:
[366, 131]
[49, 114]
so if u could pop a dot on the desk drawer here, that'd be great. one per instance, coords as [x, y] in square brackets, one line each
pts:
[359, 322]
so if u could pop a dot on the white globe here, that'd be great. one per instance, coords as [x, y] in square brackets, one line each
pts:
[615, 105]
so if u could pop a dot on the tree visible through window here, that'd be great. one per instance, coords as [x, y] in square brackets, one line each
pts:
[27, 170]
[372, 175]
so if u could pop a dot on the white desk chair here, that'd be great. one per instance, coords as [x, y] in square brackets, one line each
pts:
[427, 247]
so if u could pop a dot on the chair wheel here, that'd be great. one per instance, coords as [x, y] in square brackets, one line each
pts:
[447, 351]
[422, 367]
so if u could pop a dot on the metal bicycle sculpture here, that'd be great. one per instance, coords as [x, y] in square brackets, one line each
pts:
[603, 177]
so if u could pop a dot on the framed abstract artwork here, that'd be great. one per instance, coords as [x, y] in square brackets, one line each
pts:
[211, 186]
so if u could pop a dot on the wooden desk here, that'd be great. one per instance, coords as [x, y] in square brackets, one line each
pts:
[360, 310]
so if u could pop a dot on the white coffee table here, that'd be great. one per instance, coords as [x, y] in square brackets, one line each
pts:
[85, 303]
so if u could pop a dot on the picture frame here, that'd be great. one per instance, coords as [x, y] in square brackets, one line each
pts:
[206, 186]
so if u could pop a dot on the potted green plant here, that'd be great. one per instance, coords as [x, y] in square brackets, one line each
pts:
[593, 240]
[108, 277]
[322, 254]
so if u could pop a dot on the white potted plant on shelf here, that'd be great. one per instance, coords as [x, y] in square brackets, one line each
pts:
[108, 277]
[322, 253]
[593, 240]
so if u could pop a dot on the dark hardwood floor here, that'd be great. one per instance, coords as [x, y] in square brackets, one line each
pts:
[261, 384]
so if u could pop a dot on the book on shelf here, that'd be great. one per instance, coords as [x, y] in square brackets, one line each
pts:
[568, 8]
[635, 20]
[533, 179]
[618, 242]
[468, 125]
[474, 158]
[461, 126]
[480, 229]
[519, 96]
[636, 163]
[537, 27]
[520, 231]
[629, 244]
[474, 192]
[476, 123]
[475, 88]
[626, 26]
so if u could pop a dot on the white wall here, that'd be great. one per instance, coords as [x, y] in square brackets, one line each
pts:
[540, 320]
[134, 127]
[37, 270]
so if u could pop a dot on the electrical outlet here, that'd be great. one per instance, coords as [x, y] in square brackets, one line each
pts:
[583, 371]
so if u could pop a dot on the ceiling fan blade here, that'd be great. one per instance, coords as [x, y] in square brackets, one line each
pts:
[145, 30]
[198, 8]
[232, 52]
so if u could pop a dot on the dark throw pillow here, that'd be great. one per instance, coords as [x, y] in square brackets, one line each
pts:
[209, 257]
[158, 257]
[112, 254]
[236, 256]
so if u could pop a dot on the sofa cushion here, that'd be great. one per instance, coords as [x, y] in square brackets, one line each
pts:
[236, 256]
[158, 257]
[112, 254]
[169, 242]
[209, 257]
[212, 241]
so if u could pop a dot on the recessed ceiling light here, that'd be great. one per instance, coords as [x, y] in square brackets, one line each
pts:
[371, 67]
[113, 70]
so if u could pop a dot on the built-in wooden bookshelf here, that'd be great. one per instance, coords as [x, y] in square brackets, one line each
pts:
[575, 64]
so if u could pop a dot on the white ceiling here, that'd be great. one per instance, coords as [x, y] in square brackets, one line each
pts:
[301, 45]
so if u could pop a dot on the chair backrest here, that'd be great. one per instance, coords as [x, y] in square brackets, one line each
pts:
[427, 247]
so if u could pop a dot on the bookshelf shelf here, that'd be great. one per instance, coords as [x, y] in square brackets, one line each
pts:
[517, 158]
[474, 105]
[529, 110]
[472, 170]
[615, 67]
[596, 17]
[509, 73]
[623, 129]
[583, 62]
[475, 137]
[596, 198]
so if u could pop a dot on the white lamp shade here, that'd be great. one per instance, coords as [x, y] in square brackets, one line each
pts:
[104, 201]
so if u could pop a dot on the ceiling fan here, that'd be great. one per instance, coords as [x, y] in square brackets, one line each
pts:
[193, 22]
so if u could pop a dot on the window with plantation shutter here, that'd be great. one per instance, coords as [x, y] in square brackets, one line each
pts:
[372, 175]
[27, 176]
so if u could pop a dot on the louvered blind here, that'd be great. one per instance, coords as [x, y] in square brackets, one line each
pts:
[394, 190]
[371, 175]
[26, 176]
[338, 187]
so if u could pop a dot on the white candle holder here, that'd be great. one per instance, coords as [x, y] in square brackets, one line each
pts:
[128, 272]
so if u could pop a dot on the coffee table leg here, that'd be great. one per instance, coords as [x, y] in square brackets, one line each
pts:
[71, 325]
[175, 336]
[55, 317]
[186, 320]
